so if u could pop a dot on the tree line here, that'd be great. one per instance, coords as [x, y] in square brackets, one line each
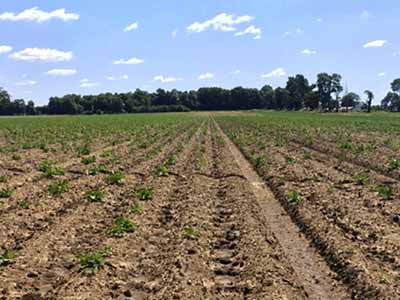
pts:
[327, 95]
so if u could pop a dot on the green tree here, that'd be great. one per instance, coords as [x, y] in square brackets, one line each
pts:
[370, 96]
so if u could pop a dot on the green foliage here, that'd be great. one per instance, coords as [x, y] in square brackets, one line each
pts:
[50, 170]
[136, 209]
[145, 193]
[88, 160]
[7, 257]
[6, 193]
[190, 233]
[3, 179]
[116, 178]
[171, 160]
[16, 157]
[385, 192]
[294, 197]
[121, 226]
[94, 196]
[394, 163]
[162, 171]
[59, 187]
[93, 261]
[96, 170]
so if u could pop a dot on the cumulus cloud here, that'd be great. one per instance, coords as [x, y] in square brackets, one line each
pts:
[320, 20]
[375, 44]
[26, 83]
[309, 52]
[382, 74]
[84, 80]
[256, 32]
[221, 22]
[365, 15]
[396, 53]
[61, 72]
[115, 78]
[131, 27]
[275, 73]
[39, 54]
[130, 61]
[206, 76]
[236, 72]
[5, 49]
[166, 79]
[36, 15]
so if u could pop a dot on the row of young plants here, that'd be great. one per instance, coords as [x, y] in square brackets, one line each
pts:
[317, 195]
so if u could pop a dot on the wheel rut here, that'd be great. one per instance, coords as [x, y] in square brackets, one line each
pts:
[311, 269]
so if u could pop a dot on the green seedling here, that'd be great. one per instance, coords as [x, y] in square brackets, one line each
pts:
[88, 160]
[162, 171]
[5, 193]
[3, 179]
[385, 192]
[362, 179]
[294, 197]
[136, 209]
[59, 187]
[260, 161]
[190, 234]
[50, 170]
[116, 178]
[85, 150]
[290, 160]
[94, 196]
[171, 160]
[394, 164]
[96, 170]
[93, 262]
[24, 204]
[121, 226]
[307, 155]
[16, 157]
[145, 193]
[7, 257]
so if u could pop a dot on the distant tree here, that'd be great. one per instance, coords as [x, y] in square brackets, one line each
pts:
[328, 84]
[391, 102]
[370, 96]
[30, 108]
[350, 100]
[396, 86]
[311, 100]
[5, 102]
[297, 87]
[281, 98]
[337, 89]
[267, 97]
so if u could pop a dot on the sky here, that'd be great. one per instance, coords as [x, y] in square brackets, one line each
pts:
[52, 48]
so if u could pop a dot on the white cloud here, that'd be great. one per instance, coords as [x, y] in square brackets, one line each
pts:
[131, 27]
[382, 74]
[39, 54]
[320, 20]
[309, 52]
[174, 33]
[166, 79]
[275, 73]
[26, 83]
[236, 72]
[365, 15]
[299, 31]
[84, 80]
[396, 53]
[5, 49]
[113, 78]
[221, 22]
[257, 32]
[36, 15]
[130, 61]
[375, 44]
[61, 72]
[206, 76]
[89, 84]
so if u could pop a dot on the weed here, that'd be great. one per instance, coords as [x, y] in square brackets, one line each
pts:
[84, 150]
[94, 196]
[3, 179]
[260, 161]
[50, 170]
[385, 192]
[121, 226]
[394, 164]
[95, 170]
[362, 179]
[59, 187]
[24, 204]
[171, 160]
[116, 178]
[145, 193]
[307, 155]
[93, 261]
[16, 157]
[190, 233]
[383, 279]
[290, 160]
[88, 160]
[136, 209]
[294, 197]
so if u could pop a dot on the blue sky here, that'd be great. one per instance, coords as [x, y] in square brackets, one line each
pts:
[87, 48]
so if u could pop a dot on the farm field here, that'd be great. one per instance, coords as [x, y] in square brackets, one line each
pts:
[225, 205]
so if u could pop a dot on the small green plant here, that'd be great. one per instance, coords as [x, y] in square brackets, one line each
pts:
[88, 160]
[107, 153]
[307, 155]
[145, 193]
[171, 160]
[136, 209]
[190, 233]
[383, 279]
[5, 193]
[94, 196]
[59, 187]
[7, 257]
[3, 179]
[394, 163]
[290, 160]
[96, 170]
[50, 170]
[16, 157]
[385, 192]
[116, 178]
[362, 179]
[294, 197]
[260, 161]
[84, 150]
[93, 261]
[121, 226]
[162, 171]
